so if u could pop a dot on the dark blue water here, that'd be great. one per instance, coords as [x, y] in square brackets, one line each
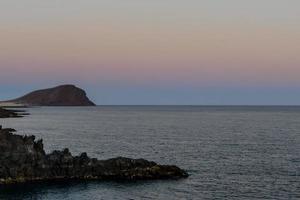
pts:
[230, 152]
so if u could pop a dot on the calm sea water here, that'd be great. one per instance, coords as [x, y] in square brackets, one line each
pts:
[229, 152]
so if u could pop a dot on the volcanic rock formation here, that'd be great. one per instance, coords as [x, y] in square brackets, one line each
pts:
[22, 159]
[63, 95]
[4, 113]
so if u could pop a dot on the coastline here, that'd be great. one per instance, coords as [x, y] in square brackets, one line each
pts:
[7, 113]
[7, 104]
[23, 159]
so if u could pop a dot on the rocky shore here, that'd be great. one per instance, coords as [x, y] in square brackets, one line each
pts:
[5, 113]
[23, 159]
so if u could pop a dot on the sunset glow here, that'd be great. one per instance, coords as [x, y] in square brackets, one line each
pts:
[162, 45]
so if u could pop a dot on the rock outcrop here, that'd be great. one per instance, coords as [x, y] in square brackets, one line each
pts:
[4, 113]
[22, 159]
[63, 95]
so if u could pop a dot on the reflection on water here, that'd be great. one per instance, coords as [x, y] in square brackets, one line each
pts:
[84, 190]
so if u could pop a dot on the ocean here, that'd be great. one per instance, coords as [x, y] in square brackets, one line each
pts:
[230, 152]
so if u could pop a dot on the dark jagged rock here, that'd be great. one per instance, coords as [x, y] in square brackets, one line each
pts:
[63, 95]
[23, 159]
[4, 113]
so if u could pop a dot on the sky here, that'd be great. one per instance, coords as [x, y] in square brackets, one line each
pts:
[191, 52]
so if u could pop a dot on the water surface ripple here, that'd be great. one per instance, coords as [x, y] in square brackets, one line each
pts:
[230, 152]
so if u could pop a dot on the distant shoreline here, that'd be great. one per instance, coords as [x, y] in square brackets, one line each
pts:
[166, 105]
[11, 105]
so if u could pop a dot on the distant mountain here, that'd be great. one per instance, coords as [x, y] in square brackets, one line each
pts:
[63, 95]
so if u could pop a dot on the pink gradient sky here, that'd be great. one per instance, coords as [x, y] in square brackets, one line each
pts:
[151, 44]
